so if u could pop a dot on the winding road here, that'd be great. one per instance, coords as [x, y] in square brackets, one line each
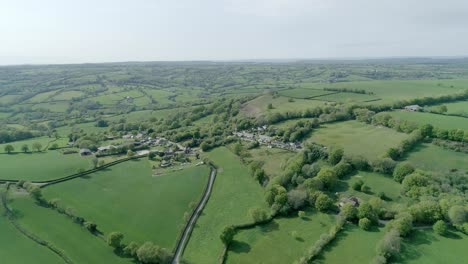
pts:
[182, 243]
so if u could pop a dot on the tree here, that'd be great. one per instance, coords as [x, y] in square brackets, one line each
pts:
[457, 214]
[335, 155]
[92, 227]
[35, 192]
[365, 210]
[349, 211]
[25, 148]
[130, 153]
[440, 227]
[342, 169]
[258, 215]
[297, 198]
[301, 214]
[150, 253]
[54, 146]
[9, 148]
[37, 146]
[403, 223]
[227, 235]
[270, 106]
[401, 170]
[390, 245]
[131, 249]
[115, 239]
[365, 224]
[357, 185]
[323, 203]
[328, 177]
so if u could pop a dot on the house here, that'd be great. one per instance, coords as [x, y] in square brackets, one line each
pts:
[106, 148]
[85, 152]
[264, 139]
[412, 108]
[354, 201]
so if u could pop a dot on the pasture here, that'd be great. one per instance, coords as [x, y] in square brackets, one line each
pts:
[438, 159]
[347, 98]
[276, 242]
[456, 108]
[234, 193]
[426, 247]
[377, 183]
[40, 166]
[150, 208]
[303, 93]
[44, 141]
[358, 138]
[352, 246]
[439, 121]
[17, 248]
[75, 241]
[274, 160]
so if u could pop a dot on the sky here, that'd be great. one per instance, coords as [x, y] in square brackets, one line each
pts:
[65, 31]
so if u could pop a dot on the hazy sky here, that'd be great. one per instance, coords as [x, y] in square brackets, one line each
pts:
[65, 31]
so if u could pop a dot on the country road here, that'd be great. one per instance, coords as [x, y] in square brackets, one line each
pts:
[193, 218]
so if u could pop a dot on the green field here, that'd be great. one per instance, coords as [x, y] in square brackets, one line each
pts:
[46, 165]
[274, 160]
[347, 97]
[234, 193]
[15, 244]
[434, 158]
[127, 198]
[457, 108]
[352, 245]
[303, 93]
[358, 138]
[439, 121]
[274, 242]
[259, 106]
[425, 247]
[377, 183]
[18, 144]
[75, 241]
[52, 106]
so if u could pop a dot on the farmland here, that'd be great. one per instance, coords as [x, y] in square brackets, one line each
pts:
[309, 161]
[357, 138]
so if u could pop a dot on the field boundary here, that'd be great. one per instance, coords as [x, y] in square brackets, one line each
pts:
[187, 232]
[76, 175]
[11, 218]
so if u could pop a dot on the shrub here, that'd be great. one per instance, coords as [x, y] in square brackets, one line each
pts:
[426, 212]
[403, 223]
[390, 245]
[457, 214]
[365, 210]
[342, 169]
[384, 166]
[258, 215]
[114, 239]
[150, 253]
[301, 214]
[131, 249]
[335, 155]
[227, 235]
[328, 177]
[365, 188]
[440, 227]
[401, 170]
[323, 203]
[357, 185]
[348, 211]
[365, 224]
[92, 227]
[297, 198]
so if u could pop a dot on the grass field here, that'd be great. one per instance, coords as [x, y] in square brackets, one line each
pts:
[17, 248]
[75, 241]
[274, 160]
[434, 158]
[127, 198]
[377, 183]
[347, 97]
[439, 121]
[46, 165]
[425, 247]
[352, 246]
[234, 193]
[358, 138]
[17, 144]
[52, 106]
[67, 95]
[457, 108]
[274, 242]
[259, 106]
[303, 93]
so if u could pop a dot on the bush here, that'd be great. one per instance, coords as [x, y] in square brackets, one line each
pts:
[131, 249]
[342, 169]
[357, 185]
[301, 214]
[323, 203]
[92, 227]
[328, 177]
[149, 253]
[401, 170]
[348, 211]
[114, 239]
[365, 224]
[365, 188]
[440, 227]
[227, 235]
[258, 215]
[385, 166]
[390, 245]
[457, 214]
[335, 155]
[365, 210]
[403, 223]
[426, 212]
[297, 198]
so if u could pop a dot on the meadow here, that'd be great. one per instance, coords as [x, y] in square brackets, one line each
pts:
[283, 240]
[358, 138]
[352, 246]
[75, 241]
[426, 247]
[303, 93]
[347, 98]
[234, 193]
[439, 121]
[153, 213]
[376, 182]
[456, 108]
[434, 158]
[41, 166]
[274, 160]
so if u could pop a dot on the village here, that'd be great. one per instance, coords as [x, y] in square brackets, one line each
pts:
[159, 149]
[259, 135]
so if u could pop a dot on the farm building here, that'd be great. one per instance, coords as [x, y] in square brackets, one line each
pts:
[105, 148]
[412, 108]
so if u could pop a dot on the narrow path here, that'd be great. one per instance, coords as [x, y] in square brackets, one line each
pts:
[183, 241]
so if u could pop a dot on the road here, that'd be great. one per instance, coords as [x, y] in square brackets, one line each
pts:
[193, 219]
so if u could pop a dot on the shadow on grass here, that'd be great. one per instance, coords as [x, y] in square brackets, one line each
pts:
[340, 236]
[272, 226]
[239, 247]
